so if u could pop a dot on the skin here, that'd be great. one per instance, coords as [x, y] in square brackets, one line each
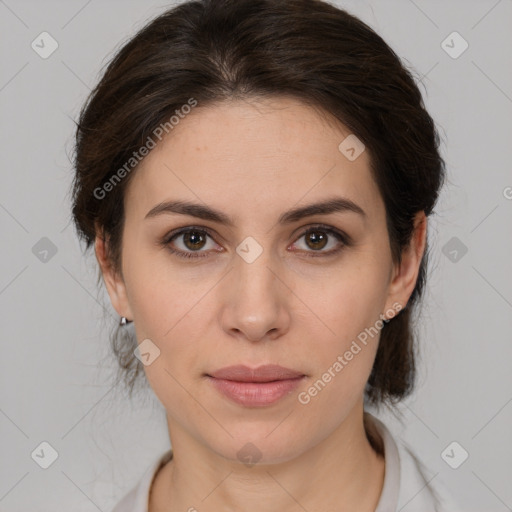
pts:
[253, 160]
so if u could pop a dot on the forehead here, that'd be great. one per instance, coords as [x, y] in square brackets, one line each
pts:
[253, 156]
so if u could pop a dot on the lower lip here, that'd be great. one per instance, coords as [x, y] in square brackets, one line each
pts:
[255, 394]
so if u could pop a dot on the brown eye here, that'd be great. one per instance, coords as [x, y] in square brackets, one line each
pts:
[194, 240]
[316, 240]
[189, 243]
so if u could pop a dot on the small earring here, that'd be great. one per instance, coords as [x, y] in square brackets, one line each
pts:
[123, 321]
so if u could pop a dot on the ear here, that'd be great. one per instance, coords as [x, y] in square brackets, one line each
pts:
[405, 275]
[114, 281]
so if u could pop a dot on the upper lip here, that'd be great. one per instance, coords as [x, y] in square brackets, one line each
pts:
[265, 373]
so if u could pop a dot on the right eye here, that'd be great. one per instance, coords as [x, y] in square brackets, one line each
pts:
[191, 239]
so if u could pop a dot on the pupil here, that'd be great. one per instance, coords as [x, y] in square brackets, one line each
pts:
[194, 239]
[318, 240]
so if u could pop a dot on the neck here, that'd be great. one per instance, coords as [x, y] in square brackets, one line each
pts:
[342, 472]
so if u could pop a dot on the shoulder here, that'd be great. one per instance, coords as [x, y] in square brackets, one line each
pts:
[416, 487]
[136, 500]
[421, 487]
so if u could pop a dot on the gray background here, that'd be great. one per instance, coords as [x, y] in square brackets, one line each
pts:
[55, 368]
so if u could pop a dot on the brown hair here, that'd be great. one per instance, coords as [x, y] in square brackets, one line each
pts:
[214, 50]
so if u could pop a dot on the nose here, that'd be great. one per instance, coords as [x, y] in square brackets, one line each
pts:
[255, 300]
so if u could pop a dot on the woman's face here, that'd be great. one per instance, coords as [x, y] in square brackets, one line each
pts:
[255, 289]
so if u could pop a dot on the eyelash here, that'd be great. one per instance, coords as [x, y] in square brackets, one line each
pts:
[340, 236]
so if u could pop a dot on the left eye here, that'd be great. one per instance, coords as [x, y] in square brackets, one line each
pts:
[318, 238]
[193, 240]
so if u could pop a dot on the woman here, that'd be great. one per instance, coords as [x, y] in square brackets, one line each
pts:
[256, 178]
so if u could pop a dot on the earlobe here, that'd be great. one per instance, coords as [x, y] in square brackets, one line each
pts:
[114, 282]
[406, 275]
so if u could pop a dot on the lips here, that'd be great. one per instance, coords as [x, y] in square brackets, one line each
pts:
[255, 387]
[266, 373]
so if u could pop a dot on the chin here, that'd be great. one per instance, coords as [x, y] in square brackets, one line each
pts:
[258, 444]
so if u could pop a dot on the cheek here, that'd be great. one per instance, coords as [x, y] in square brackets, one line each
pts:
[169, 309]
[344, 355]
[350, 300]
[348, 334]
[159, 295]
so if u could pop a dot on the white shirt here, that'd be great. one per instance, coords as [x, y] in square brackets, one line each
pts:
[407, 486]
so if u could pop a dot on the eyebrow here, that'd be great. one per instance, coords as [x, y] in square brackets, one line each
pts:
[325, 207]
